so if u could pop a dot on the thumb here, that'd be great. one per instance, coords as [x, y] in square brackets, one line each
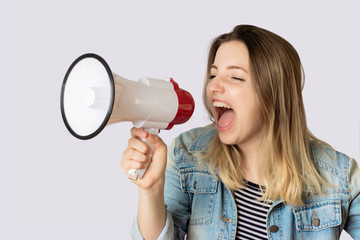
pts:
[157, 142]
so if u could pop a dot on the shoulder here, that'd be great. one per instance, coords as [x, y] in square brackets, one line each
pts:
[330, 162]
[343, 175]
[195, 140]
[188, 148]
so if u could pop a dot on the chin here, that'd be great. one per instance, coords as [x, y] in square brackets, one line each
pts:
[226, 139]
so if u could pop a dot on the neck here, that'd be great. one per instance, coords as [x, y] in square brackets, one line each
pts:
[249, 155]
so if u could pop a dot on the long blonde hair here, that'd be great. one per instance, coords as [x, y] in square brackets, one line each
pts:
[278, 77]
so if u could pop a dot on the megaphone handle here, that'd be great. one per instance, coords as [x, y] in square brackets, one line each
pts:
[139, 173]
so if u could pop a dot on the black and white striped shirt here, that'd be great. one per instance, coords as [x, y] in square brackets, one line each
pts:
[251, 213]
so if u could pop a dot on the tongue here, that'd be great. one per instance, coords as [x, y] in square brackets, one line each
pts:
[226, 119]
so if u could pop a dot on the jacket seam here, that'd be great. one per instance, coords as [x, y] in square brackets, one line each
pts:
[328, 167]
[196, 140]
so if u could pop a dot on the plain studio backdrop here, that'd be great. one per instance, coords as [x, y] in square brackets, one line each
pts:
[54, 186]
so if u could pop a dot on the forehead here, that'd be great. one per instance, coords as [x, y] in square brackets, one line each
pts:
[232, 53]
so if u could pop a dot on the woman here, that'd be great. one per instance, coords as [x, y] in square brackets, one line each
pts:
[255, 173]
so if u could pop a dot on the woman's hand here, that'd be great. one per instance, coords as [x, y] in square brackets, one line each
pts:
[151, 211]
[137, 156]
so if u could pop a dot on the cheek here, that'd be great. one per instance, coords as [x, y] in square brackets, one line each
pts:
[250, 109]
[256, 113]
[208, 100]
[208, 95]
[208, 89]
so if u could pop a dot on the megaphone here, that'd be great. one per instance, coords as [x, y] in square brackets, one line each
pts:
[92, 97]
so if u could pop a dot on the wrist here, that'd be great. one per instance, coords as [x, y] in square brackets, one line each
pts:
[156, 189]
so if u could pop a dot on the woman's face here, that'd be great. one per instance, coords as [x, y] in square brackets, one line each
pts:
[232, 97]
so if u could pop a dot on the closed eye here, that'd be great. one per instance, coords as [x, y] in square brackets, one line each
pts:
[239, 79]
[212, 76]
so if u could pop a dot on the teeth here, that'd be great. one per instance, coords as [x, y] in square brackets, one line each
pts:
[221, 104]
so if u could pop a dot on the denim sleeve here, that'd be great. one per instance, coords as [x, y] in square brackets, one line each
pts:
[177, 201]
[352, 225]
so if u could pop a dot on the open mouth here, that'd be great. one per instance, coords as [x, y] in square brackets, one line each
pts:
[225, 115]
[221, 108]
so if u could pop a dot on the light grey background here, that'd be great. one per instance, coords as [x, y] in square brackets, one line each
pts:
[54, 186]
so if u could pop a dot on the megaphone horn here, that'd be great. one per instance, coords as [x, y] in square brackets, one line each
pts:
[92, 97]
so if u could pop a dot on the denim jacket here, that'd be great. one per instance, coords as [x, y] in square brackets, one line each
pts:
[200, 206]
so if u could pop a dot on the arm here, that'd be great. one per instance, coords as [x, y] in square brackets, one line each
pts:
[151, 210]
[177, 201]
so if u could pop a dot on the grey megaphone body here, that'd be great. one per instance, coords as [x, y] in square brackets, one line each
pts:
[92, 97]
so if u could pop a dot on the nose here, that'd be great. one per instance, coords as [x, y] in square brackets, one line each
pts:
[215, 85]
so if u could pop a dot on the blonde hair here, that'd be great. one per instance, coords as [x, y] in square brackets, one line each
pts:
[285, 163]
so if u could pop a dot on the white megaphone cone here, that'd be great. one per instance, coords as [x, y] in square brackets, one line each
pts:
[92, 96]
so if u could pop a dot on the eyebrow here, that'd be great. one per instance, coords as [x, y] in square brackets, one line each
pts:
[231, 67]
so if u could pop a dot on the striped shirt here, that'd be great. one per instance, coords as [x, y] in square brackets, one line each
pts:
[251, 213]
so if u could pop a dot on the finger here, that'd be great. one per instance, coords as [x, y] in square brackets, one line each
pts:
[138, 132]
[157, 142]
[134, 165]
[139, 145]
[127, 164]
[135, 155]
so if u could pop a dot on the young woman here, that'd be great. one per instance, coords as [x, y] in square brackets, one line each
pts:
[257, 172]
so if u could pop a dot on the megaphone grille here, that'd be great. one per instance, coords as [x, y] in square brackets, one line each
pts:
[87, 96]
